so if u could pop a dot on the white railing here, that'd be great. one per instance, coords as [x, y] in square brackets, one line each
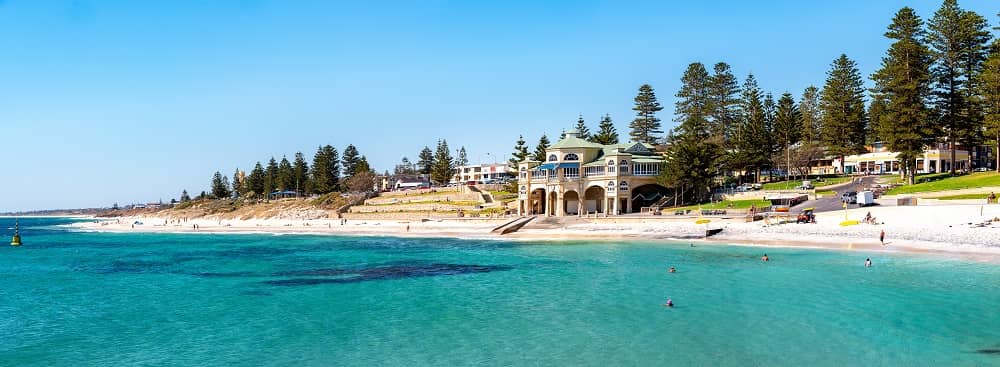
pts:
[571, 173]
[539, 174]
[645, 169]
[593, 171]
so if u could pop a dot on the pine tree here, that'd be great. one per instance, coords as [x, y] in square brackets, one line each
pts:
[404, 168]
[989, 93]
[325, 170]
[725, 103]
[220, 186]
[349, 161]
[270, 177]
[300, 169]
[750, 140]
[444, 164]
[184, 196]
[693, 105]
[363, 166]
[463, 158]
[286, 175]
[843, 106]
[582, 131]
[812, 115]
[646, 125]
[239, 183]
[520, 152]
[606, 133]
[876, 112]
[787, 120]
[543, 145]
[957, 39]
[256, 180]
[692, 162]
[770, 112]
[425, 162]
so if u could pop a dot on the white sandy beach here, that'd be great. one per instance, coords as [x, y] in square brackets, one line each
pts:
[957, 229]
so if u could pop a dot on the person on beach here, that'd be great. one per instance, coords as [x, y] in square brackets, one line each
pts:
[881, 237]
[868, 262]
[672, 270]
[670, 303]
[765, 258]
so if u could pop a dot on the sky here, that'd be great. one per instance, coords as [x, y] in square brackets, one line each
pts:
[106, 102]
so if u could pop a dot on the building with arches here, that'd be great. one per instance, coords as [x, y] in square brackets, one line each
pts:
[582, 177]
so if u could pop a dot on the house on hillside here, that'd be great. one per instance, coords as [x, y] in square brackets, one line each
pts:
[579, 176]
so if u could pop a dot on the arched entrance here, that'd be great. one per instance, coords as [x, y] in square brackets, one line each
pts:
[571, 203]
[593, 200]
[646, 195]
[536, 201]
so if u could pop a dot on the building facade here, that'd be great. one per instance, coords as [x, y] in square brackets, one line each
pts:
[881, 161]
[482, 172]
[581, 177]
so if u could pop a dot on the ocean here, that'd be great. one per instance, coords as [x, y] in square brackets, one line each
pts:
[70, 298]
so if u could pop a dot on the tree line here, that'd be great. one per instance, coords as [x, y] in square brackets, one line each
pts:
[939, 82]
[329, 172]
[438, 165]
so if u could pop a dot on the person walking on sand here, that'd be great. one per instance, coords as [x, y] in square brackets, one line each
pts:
[881, 237]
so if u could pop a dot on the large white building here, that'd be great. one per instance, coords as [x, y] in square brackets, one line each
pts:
[882, 161]
[482, 172]
[581, 177]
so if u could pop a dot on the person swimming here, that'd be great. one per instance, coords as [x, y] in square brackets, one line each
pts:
[670, 303]
[868, 263]
[672, 270]
[765, 258]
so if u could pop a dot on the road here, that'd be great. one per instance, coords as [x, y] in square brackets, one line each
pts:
[827, 204]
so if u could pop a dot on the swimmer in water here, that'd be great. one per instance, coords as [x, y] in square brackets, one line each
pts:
[868, 263]
[765, 258]
[672, 270]
[670, 303]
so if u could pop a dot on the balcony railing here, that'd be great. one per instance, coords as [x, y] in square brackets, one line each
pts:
[593, 171]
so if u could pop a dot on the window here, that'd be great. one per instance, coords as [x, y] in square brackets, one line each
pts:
[553, 158]
[611, 186]
[611, 162]
[624, 166]
[611, 167]
[623, 186]
[571, 172]
[571, 157]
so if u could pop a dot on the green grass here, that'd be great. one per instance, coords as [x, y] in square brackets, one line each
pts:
[737, 204]
[788, 185]
[825, 192]
[962, 197]
[929, 183]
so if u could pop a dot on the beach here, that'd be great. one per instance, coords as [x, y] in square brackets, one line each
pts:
[962, 229]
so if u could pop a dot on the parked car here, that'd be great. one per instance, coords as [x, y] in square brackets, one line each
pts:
[806, 185]
[757, 186]
[850, 197]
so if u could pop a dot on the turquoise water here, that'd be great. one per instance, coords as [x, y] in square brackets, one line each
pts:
[99, 299]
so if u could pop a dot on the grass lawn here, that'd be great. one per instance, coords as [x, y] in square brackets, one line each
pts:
[737, 204]
[962, 197]
[825, 192]
[969, 181]
[788, 185]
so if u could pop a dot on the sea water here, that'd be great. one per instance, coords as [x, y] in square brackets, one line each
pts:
[71, 298]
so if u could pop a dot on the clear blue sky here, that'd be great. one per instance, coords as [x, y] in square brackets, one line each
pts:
[131, 101]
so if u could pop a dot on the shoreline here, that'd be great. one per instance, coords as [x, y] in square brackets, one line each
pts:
[955, 231]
